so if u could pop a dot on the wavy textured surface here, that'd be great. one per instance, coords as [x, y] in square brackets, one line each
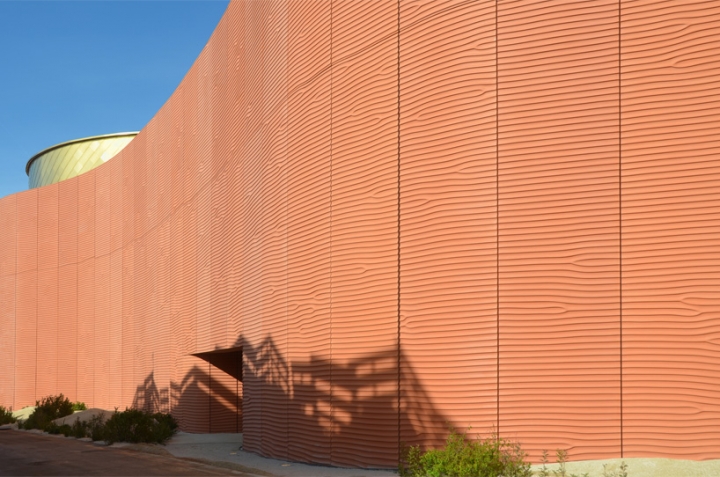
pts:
[671, 292]
[47, 292]
[447, 219]
[308, 231]
[26, 300]
[8, 262]
[558, 226]
[394, 229]
[364, 232]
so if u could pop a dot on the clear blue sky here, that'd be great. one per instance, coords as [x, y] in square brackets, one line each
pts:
[70, 69]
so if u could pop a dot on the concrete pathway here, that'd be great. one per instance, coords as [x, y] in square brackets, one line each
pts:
[227, 448]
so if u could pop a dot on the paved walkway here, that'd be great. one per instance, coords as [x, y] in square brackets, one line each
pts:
[27, 453]
[226, 448]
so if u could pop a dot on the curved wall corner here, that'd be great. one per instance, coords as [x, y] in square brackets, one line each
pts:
[388, 216]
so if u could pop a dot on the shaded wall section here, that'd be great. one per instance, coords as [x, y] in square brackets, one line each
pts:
[356, 223]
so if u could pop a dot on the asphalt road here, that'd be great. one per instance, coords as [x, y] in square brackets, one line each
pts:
[23, 453]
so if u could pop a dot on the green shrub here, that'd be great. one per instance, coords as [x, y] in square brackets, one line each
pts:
[47, 410]
[464, 457]
[6, 416]
[79, 429]
[79, 406]
[53, 428]
[135, 425]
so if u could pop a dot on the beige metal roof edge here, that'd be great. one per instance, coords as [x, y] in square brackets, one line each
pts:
[75, 141]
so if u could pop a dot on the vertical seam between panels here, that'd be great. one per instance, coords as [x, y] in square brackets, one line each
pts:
[210, 393]
[620, 263]
[399, 401]
[15, 278]
[77, 235]
[94, 294]
[332, 416]
[57, 291]
[497, 231]
[37, 283]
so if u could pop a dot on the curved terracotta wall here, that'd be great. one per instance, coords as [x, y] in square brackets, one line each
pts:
[492, 214]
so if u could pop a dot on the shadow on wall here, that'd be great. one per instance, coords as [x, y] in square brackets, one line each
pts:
[342, 412]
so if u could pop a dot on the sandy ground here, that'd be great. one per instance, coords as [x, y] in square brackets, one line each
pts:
[644, 467]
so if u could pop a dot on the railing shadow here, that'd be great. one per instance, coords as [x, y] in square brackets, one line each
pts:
[355, 412]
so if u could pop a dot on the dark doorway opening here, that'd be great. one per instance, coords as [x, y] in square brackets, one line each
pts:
[225, 389]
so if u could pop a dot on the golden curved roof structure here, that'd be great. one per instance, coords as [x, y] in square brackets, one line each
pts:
[69, 159]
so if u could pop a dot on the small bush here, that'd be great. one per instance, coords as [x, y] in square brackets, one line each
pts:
[6, 416]
[53, 428]
[134, 425]
[47, 410]
[79, 429]
[463, 457]
[79, 406]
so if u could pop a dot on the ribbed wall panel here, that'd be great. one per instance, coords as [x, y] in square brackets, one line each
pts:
[128, 197]
[138, 169]
[177, 331]
[221, 165]
[27, 223]
[25, 333]
[116, 205]
[68, 221]
[194, 391]
[252, 212]
[201, 146]
[8, 261]
[149, 394]
[102, 210]
[101, 332]
[47, 332]
[670, 215]
[115, 330]
[47, 228]
[220, 106]
[8, 236]
[448, 318]
[220, 224]
[189, 138]
[67, 332]
[272, 232]
[26, 300]
[558, 229]
[364, 233]
[205, 320]
[308, 231]
[162, 339]
[237, 102]
[7, 324]
[176, 150]
[86, 288]
[188, 292]
[165, 156]
[142, 354]
[47, 298]
[128, 325]
[86, 217]
[86, 332]
[150, 165]
[202, 140]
